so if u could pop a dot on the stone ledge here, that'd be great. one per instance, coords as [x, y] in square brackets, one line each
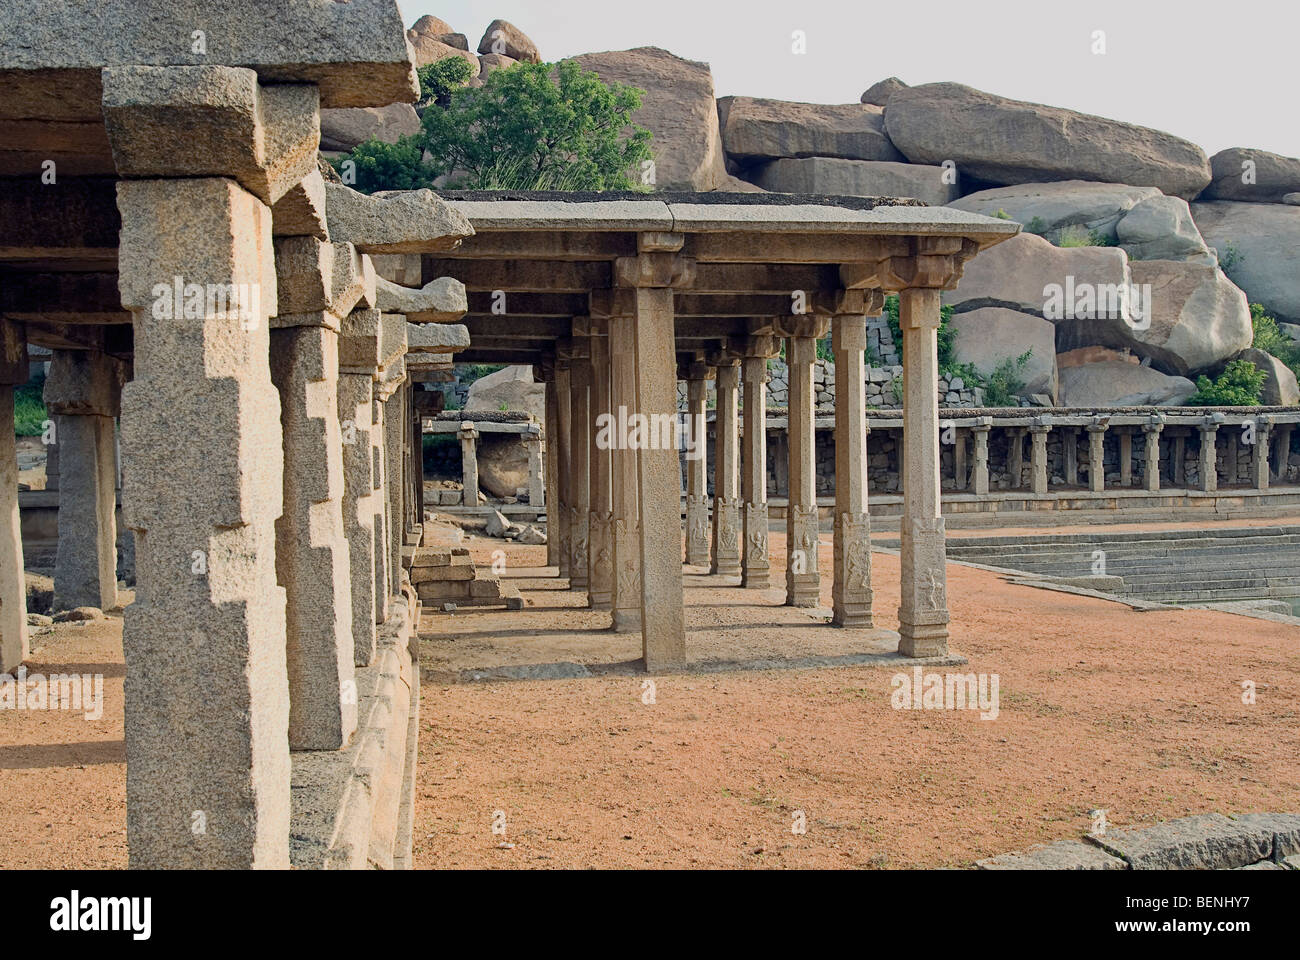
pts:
[353, 809]
[1208, 841]
[1062, 855]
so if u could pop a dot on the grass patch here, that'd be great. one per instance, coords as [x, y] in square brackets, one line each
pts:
[29, 408]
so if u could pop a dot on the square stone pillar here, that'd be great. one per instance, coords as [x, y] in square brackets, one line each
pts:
[1207, 465]
[851, 590]
[959, 472]
[311, 548]
[83, 392]
[726, 471]
[624, 472]
[1281, 450]
[1015, 456]
[537, 477]
[697, 468]
[755, 571]
[1259, 453]
[395, 479]
[980, 472]
[1151, 452]
[207, 688]
[1070, 448]
[385, 577]
[1096, 456]
[652, 274]
[551, 440]
[1038, 456]
[356, 423]
[468, 435]
[1178, 458]
[1125, 458]
[923, 610]
[564, 457]
[579, 465]
[600, 519]
[802, 579]
[14, 646]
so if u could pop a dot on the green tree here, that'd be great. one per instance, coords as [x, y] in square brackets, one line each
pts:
[387, 166]
[540, 126]
[1238, 386]
[440, 78]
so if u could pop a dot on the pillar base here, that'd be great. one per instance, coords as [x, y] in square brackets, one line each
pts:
[755, 568]
[697, 531]
[923, 640]
[802, 580]
[726, 547]
[852, 595]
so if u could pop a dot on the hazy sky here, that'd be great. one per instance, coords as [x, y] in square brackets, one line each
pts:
[1218, 74]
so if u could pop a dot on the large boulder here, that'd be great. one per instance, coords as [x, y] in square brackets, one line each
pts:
[512, 386]
[988, 336]
[1018, 273]
[1259, 247]
[755, 129]
[503, 37]
[1186, 318]
[502, 464]
[343, 129]
[878, 93]
[1010, 141]
[1162, 228]
[677, 107]
[1252, 176]
[1051, 209]
[1280, 387]
[856, 178]
[1119, 384]
[430, 47]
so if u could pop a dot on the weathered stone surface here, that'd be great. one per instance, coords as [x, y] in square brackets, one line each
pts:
[856, 178]
[403, 269]
[677, 107]
[301, 211]
[399, 221]
[1050, 209]
[1207, 842]
[512, 386]
[879, 92]
[85, 383]
[1264, 241]
[1197, 319]
[436, 337]
[1272, 176]
[1162, 228]
[428, 49]
[344, 129]
[1118, 384]
[1016, 273]
[757, 129]
[503, 37]
[1081, 355]
[430, 26]
[14, 648]
[1010, 141]
[1280, 388]
[1062, 855]
[1283, 827]
[497, 524]
[438, 301]
[217, 121]
[988, 336]
[493, 61]
[359, 507]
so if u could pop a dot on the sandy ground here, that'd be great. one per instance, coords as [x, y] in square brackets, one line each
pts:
[1139, 714]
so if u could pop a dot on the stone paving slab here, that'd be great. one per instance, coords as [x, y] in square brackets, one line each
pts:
[1282, 830]
[1062, 855]
[1205, 842]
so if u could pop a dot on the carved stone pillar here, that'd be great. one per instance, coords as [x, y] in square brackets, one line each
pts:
[697, 494]
[755, 568]
[1151, 469]
[626, 615]
[851, 591]
[564, 456]
[600, 549]
[1097, 455]
[980, 431]
[468, 436]
[1259, 453]
[802, 580]
[1207, 465]
[726, 472]
[1038, 455]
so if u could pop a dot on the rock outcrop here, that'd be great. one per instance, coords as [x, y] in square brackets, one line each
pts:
[344, 129]
[1118, 384]
[755, 129]
[879, 92]
[512, 386]
[1280, 388]
[1252, 176]
[1259, 247]
[990, 335]
[1007, 141]
[856, 178]
[1052, 209]
[504, 38]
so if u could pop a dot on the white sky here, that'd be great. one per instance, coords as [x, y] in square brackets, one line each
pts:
[1218, 74]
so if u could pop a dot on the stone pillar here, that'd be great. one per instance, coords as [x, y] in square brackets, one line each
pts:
[697, 469]
[52, 462]
[923, 610]
[394, 477]
[311, 548]
[959, 474]
[1177, 458]
[82, 393]
[600, 551]
[755, 568]
[1281, 449]
[579, 465]
[1015, 456]
[14, 647]
[550, 438]
[359, 507]
[1097, 456]
[851, 590]
[207, 689]
[564, 456]
[1125, 458]
[726, 472]
[981, 465]
[1207, 466]
[1151, 452]
[537, 478]
[802, 580]
[652, 274]
[385, 576]
[468, 435]
[1259, 453]
[624, 471]
[1038, 455]
[1070, 449]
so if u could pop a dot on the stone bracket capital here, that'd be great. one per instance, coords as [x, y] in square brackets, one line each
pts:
[808, 326]
[654, 269]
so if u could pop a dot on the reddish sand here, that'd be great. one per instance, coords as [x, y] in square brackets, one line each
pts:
[1136, 713]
